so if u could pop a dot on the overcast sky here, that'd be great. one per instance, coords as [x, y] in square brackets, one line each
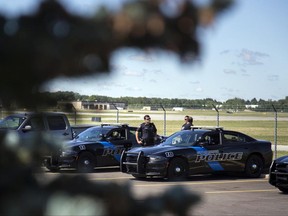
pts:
[244, 55]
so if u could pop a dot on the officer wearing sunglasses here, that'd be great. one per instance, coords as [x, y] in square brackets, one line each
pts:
[146, 132]
[188, 123]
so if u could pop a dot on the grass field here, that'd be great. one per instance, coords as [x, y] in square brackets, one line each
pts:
[262, 125]
[281, 153]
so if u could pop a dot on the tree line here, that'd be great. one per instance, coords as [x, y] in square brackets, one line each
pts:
[234, 104]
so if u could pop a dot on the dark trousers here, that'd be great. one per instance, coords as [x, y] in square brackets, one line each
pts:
[148, 142]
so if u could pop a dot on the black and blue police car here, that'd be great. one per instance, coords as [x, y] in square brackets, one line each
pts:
[200, 150]
[278, 173]
[97, 146]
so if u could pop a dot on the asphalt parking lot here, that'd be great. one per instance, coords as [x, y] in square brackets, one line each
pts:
[220, 194]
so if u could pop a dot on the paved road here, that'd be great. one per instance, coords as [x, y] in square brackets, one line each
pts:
[221, 195]
[280, 147]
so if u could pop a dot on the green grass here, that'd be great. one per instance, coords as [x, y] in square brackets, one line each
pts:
[256, 128]
[281, 153]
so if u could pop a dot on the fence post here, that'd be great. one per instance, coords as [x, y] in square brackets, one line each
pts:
[75, 113]
[217, 114]
[275, 132]
[164, 119]
[117, 118]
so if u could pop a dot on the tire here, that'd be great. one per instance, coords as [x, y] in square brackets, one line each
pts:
[52, 165]
[137, 176]
[283, 189]
[177, 169]
[53, 169]
[254, 166]
[86, 162]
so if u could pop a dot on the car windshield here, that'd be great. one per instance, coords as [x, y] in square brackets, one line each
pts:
[93, 134]
[183, 138]
[11, 122]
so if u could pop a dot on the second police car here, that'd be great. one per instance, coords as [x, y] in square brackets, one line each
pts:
[278, 174]
[97, 146]
[200, 150]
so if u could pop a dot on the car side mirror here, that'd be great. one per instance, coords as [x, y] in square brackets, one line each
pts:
[27, 128]
[108, 138]
[201, 142]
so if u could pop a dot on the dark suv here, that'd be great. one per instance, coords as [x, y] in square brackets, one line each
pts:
[29, 125]
[97, 146]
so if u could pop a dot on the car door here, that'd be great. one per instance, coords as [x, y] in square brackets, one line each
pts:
[207, 149]
[224, 151]
[58, 127]
[116, 142]
[131, 131]
[236, 148]
[31, 128]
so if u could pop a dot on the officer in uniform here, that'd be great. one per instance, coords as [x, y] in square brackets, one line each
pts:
[188, 123]
[148, 132]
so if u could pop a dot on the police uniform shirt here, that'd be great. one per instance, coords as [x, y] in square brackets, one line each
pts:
[148, 132]
[186, 126]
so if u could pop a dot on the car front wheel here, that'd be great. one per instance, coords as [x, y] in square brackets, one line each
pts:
[86, 162]
[53, 169]
[178, 169]
[254, 166]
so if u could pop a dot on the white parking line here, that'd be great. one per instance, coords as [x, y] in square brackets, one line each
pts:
[156, 184]
[241, 191]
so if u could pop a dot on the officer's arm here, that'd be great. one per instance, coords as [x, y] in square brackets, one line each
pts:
[137, 137]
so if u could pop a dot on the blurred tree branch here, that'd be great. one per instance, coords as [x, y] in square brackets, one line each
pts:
[52, 42]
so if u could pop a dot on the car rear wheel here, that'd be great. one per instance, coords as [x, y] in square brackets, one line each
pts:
[86, 162]
[254, 166]
[178, 169]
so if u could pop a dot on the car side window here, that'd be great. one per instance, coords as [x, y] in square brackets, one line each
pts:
[11, 122]
[118, 134]
[132, 133]
[132, 137]
[122, 134]
[36, 123]
[211, 139]
[233, 137]
[56, 123]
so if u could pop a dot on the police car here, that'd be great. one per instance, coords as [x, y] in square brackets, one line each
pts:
[278, 174]
[200, 150]
[97, 146]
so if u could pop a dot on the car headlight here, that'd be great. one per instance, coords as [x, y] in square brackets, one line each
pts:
[155, 158]
[68, 152]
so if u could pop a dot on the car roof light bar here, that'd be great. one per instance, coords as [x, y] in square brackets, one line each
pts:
[115, 124]
[207, 127]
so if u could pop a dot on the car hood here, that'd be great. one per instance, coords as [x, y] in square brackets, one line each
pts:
[158, 149]
[75, 142]
[283, 159]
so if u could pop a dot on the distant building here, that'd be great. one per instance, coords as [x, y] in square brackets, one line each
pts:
[177, 109]
[94, 105]
[149, 108]
[251, 106]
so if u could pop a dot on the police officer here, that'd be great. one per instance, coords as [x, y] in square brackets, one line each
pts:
[188, 123]
[148, 132]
